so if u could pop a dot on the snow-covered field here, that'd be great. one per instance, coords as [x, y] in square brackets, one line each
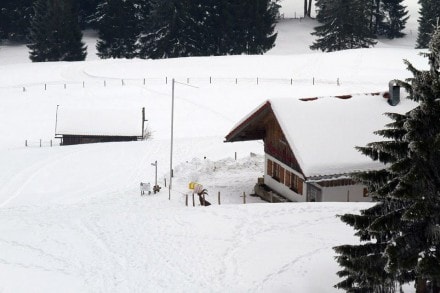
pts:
[72, 218]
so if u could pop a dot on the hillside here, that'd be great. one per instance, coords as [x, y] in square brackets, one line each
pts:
[72, 218]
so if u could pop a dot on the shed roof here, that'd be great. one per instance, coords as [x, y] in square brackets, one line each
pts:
[323, 132]
[99, 121]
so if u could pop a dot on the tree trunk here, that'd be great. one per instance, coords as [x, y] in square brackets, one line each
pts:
[421, 286]
[305, 8]
[310, 9]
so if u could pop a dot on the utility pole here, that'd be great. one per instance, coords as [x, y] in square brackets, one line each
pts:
[173, 82]
[155, 176]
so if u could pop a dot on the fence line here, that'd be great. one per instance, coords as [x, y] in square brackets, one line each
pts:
[40, 143]
[196, 80]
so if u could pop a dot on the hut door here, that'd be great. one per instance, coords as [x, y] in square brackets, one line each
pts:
[313, 193]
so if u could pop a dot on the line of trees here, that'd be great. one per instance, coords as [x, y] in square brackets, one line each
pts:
[171, 28]
[175, 28]
[141, 28]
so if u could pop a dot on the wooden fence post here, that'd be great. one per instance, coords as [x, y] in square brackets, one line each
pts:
[25, 143]
[194, 204]
[165, 179]
[40, 143]
[45, 86]
[210, 80]
[244, 197]
[186, 200]
[219, 198]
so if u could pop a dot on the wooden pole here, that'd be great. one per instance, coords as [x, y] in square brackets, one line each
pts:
[194, 204]
[236, 156]
[219, 198]
[186, 200]
[244, 197]
[143, 122]
[165, 179]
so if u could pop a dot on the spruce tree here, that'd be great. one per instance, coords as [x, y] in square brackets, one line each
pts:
[395, 17]
[429, 16]
[118, 28]
[404, 226]
[55, 34]
[171, 30]
[15, 18]
[255, 26]
[345, 24]
[208, 27]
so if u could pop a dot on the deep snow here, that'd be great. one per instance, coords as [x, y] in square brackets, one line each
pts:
[72, 218]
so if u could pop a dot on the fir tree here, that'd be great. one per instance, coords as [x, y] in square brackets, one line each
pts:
[403, 228]
[171, 31]
[345, 24]
[429, 16]
[118, 28]
[208, 27]
[15, 18]
[55, 34]
[394, 19]
[255, 26]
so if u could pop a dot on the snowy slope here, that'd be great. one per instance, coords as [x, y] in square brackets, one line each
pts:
[72, 218]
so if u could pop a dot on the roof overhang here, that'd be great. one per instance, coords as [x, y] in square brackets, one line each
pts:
[252, 126]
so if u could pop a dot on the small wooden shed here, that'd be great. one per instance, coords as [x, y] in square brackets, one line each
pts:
[76, 125]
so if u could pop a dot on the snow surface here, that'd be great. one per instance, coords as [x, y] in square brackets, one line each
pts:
[72, 218]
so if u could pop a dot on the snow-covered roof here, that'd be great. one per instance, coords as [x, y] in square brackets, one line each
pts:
[99, 121]
[323, 132]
